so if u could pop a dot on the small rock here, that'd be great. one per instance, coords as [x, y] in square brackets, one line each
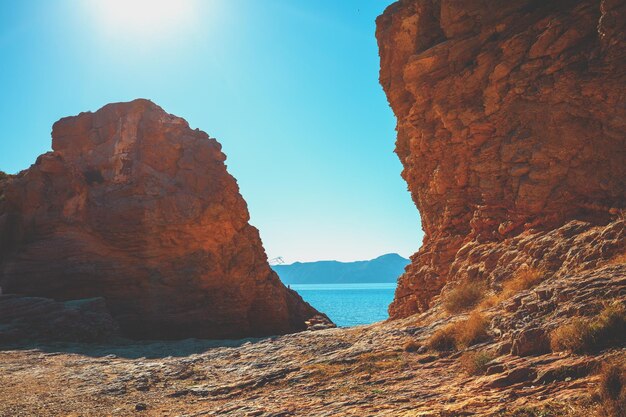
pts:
[504, 349]
[495, 369]
[528, 342]
[180, 393]
[514, 376]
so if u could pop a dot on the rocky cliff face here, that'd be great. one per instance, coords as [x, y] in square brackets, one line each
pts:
[134, 206]
[511, 124]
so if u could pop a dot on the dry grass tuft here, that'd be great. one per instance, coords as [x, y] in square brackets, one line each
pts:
[472, 331]
[464, 296]
[374, 362]
[475, 363]
[461, 334]
[524, 279]
[574, 336]
[581, 335]
[612, 390]
[371, 362]
[443, 339]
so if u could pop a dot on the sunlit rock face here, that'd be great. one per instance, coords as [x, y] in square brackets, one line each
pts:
[511, 121]
[134, 206]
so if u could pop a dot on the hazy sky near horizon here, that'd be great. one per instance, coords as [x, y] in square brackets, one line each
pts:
[289, 88]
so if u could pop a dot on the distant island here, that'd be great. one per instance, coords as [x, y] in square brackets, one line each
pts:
[385, 268]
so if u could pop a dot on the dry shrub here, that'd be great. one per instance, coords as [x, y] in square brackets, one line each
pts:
[461, 334]
[612, 390]
[443, 339]
[475, 363]
[464, 296]
[609, 327]
[573, 336]
[489, 302]
[581, 335]
[472, 331]
[524, 279]
[3, 175]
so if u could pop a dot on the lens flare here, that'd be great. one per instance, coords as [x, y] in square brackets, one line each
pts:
[142, 18]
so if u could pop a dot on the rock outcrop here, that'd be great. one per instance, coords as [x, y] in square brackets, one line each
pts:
[134, 206]
[42, 319]
[511, 124]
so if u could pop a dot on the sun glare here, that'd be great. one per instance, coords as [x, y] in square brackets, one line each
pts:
[143, 18]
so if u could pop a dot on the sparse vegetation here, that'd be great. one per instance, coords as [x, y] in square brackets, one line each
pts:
[475, 363]
[575, 336]
[464, 296]
[461, 334]
[549, 410]
[371, 363]
[612, 390]
[443, 339]
[326, 370]
[472, 331]
[582, 335]
[524, 279]
[379, 361]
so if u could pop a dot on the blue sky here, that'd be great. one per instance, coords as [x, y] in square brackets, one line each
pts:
[290, 88]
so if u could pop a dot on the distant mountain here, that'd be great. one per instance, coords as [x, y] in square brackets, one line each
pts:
[386, 268]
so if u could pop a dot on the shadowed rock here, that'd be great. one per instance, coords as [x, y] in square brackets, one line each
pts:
[36, 318]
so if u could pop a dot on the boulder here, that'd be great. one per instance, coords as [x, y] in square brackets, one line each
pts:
[533, 341]
[134, 206]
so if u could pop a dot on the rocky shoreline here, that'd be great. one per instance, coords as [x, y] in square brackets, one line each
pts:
[385, 369]
[511, 133]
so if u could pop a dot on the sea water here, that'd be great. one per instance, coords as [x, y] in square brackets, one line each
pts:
[349, 304]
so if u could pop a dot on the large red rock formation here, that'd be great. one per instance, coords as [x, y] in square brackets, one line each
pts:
[134, 206]
[511, 123]
[42, 319]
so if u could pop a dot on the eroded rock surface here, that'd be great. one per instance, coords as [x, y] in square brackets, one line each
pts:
[511, 123]
[134, 206]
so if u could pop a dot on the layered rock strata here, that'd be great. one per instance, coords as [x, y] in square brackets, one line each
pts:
[511, 124]
[134, 206]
